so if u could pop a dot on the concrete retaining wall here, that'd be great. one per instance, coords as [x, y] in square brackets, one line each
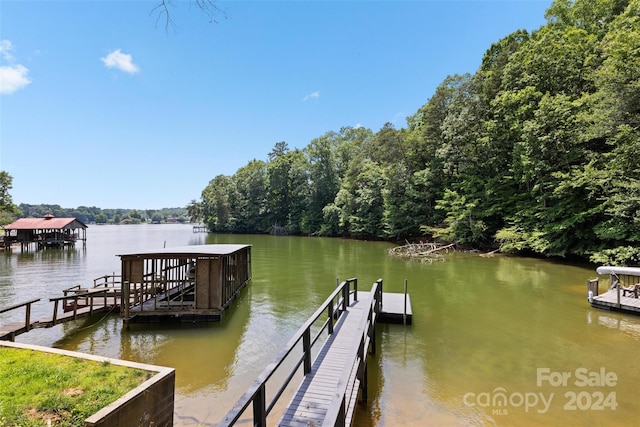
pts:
[149, 404]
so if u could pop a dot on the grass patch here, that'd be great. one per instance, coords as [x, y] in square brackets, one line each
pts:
[39, 388]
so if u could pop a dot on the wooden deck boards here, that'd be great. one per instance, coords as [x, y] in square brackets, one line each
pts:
[609, 300]
[318, 388]
[11, 330]
[393, 308]
[69, 316]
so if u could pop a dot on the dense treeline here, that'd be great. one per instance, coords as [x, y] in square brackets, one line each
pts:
[535, 152]
[90, 215]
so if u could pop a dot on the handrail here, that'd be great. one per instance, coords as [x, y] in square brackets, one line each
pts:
[256, 394]
[89, 294]
[338, 407]
[27, 317]
[12, 307]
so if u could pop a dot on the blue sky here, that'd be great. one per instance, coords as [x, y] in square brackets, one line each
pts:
[102, 105]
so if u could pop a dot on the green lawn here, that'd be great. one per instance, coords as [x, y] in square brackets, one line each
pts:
[39, 388]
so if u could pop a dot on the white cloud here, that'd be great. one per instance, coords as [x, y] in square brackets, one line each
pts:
[13, 77]
[120, 61]
[5, 48]
[312, 96]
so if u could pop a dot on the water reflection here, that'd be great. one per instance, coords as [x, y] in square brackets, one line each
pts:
[480, 324]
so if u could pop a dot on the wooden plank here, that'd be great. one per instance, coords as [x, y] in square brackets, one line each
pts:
[609, 300]
[69, 315]
[393, 306]
[317, 390]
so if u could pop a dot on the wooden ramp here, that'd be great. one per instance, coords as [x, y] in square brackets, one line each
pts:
[336, 379]
[82, 306]
[317, 392]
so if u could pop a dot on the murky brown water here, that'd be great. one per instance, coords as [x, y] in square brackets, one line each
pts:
[492, 340]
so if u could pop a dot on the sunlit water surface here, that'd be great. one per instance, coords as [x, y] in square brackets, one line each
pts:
[490, 335]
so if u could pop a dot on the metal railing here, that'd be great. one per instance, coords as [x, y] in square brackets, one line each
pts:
[333, 307]
[337, 412]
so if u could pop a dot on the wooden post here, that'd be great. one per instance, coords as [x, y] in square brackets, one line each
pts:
[345, 296]
[27, 321]
[355, 289]
[124, 301]
[55, 312]
[259, 407]
[342, 413]
[364, 384]
[330, 314]
[404, 313]
[306, 348]
[75, 307]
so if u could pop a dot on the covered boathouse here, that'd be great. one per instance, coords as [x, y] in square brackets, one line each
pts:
[45, 232]
[192, 283]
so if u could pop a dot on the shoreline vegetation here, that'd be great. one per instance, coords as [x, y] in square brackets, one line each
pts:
[39, 388]
[533, 154]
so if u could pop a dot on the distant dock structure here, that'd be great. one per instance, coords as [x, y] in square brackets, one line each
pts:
[45, 232]
[623, 293]
[194, 283]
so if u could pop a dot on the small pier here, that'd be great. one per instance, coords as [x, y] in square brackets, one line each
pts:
[336, 379]
[623, 292]
[74, 305]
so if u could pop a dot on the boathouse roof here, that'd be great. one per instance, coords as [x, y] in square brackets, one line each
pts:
[192, 250]
[630, 271]
[48, 222]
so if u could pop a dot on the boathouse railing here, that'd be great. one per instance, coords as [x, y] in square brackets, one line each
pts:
[256, 395]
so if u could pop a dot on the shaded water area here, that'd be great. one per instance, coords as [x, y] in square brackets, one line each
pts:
[499, 340]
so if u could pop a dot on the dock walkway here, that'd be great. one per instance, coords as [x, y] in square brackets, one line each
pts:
[82, 305]
[317, 391]
[337, 379]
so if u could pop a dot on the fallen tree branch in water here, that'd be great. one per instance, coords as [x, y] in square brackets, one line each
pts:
[424, 251]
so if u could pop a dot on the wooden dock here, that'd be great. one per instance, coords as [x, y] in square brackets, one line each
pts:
[337, 379]
[336, 365]
[76, 303]
[623, 293]
[609, 301]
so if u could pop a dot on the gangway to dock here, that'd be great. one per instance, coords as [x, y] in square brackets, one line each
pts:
[76, 303]
[336, 379]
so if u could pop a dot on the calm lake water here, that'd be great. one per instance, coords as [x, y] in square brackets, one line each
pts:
[499, 340]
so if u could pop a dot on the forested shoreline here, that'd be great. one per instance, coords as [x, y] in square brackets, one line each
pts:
[533, 153]
[93, 214]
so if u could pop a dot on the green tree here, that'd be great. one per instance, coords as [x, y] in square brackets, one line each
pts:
[249, 199]
[194, 210]
[215, 203]
[8, 210]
